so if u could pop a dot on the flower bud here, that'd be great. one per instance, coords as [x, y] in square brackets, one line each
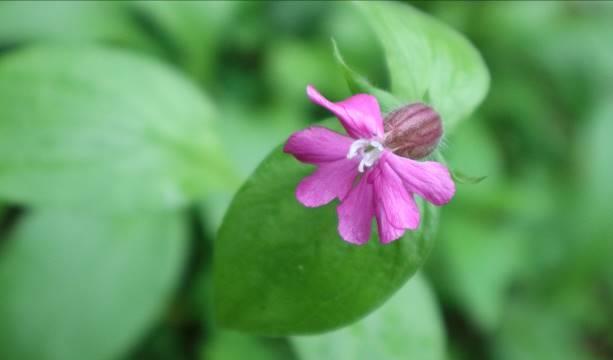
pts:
[413, 131]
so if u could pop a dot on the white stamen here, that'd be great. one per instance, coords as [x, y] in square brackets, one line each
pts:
[355, 147]
[369, 150]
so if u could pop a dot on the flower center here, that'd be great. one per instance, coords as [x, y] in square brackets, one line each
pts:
[369, 151]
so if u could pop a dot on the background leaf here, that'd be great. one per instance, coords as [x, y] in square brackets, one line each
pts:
[230, 345]
[98, 299]
[473, 150]
[190, 30]
[408, 326]
[315, 64]
[359, 84]
[428, 61]
[86, 126]
[475, 264]
[67, 21]
[595, 169]
[534, 330]
[276, 261]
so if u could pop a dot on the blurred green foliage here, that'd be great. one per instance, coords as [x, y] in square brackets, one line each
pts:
[522, 265]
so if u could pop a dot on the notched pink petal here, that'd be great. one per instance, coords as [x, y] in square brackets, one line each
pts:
[360, 114]
[429, 179]
[317, 144]
[387, 231]
[392, 199]
[355, 213]
[329, 181]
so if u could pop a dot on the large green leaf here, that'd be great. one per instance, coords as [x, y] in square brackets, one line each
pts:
[93, 126]
[73, 21]
[408, 326]
[428, 61]
[281, 268]
[75, 285]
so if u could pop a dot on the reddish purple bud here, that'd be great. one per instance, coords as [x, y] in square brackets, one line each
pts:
[413, 131]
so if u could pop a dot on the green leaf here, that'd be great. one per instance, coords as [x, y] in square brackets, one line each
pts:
[408, 326]
[428, 61]
[230, 345]
[83, 126]
[281, 268]
[77, 285]
[358, 43]
[67, 21]
[359, 84]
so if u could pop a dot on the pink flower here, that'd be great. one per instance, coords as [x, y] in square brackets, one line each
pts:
[368, 178]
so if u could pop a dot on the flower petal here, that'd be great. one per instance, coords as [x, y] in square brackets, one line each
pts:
[360, 114]
[317, 144]
[387, 231]
[355, 213]
[392, 199]
[429, 179]
[330, 180]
